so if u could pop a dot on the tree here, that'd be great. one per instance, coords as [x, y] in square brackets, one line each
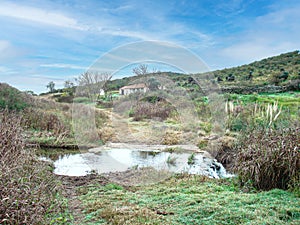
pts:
[92, 82]
[51, 86]
[69, 87]
[141, 70]
[68, 84]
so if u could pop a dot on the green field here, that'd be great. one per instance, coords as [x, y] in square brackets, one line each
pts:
[188, 200]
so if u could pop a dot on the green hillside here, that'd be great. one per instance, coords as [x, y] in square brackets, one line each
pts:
[13, 99]
[282, 72]
[263, 71]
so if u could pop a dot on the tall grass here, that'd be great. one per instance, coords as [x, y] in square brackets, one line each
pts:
[28, 189]
[255, 115]
[269, 159]
[42, 120]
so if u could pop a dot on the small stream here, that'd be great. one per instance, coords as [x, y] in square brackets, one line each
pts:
[122, 159]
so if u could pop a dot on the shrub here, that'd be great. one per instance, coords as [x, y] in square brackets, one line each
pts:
[171, 138]
[206, 126]
[202, 144]
[46, 121]
[105, 134]
[145, 110]
[28, 191]
[11, 98]
[269, 158]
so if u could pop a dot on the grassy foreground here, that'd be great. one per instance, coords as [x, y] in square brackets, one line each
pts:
[188, 200]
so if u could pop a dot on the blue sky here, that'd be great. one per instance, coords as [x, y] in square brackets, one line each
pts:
[42, 41]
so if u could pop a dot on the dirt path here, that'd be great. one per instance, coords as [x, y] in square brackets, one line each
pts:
[125, 130]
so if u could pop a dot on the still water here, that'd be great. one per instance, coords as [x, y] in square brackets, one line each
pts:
[118, 160]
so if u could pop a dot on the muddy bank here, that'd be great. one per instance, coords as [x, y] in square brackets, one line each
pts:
[66, 146]
[147, 147]
[77, 181]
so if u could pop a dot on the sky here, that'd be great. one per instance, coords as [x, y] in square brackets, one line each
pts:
[43, 40]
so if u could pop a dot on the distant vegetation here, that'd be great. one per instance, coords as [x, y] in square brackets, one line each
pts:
[286, 66]
[275, 74]
[277, 70]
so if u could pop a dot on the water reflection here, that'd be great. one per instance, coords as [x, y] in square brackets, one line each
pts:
[113, 160]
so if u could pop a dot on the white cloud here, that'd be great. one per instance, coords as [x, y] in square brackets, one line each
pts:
[39, 15]
[36, 83]
[254, 50]
[59, 19]
[8, 51]
[6, 70]
[231, 8]
[268, 35]
[64, 66]
[126, 33]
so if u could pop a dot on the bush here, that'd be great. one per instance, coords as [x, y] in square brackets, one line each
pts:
[42, 120]
[269, 159]
[11, 98]
[171, 138]
[202, 144]
[145, 110]
[28, 191]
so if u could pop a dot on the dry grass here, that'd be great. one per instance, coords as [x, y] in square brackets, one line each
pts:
[106, 134]
[171, 137]
[48, 121]
[146, 110]
[269, 159]
[27, 189]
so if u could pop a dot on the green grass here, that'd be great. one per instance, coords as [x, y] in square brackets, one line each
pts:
[286, 98]
[84, 100]
[64, 216]
[289, 101]
[188, 200]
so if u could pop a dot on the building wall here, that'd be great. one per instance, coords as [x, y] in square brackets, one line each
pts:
[128, 91]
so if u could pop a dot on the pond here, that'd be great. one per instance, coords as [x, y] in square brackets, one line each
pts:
[122, 159]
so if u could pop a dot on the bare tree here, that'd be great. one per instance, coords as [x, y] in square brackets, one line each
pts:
[91, 83]
[140, 70]
[68, 84]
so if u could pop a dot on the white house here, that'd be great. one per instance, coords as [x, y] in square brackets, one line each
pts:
[101, 92]
[126, 90]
